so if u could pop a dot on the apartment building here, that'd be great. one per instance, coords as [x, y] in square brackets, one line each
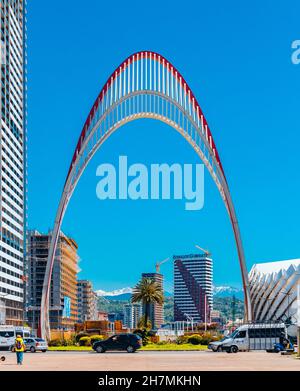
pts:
[87, 301]
[63, 289]
[12, 160]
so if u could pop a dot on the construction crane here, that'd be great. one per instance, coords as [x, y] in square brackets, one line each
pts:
[157, 265]
[206, 252]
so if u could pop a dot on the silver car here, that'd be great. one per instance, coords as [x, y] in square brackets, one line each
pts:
[35, 344]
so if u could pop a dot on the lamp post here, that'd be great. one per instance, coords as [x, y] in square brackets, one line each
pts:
[191, 319]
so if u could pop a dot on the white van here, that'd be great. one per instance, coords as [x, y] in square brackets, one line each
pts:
[8, 335]
[260, 336]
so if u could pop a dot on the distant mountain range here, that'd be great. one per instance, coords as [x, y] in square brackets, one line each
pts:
[228, 291]
[124, 294]
[116, 292]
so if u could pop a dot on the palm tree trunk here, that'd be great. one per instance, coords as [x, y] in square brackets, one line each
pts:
[146, 315]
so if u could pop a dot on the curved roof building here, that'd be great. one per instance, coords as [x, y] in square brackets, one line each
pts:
[273, 290]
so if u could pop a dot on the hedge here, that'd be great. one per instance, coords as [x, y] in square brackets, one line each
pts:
[95, 338]
[85, 341]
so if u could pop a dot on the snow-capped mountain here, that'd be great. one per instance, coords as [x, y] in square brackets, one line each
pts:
[116, 292]
[227, 291]
[125, 293]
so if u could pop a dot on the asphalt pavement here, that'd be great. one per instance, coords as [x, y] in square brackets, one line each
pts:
[151, 361]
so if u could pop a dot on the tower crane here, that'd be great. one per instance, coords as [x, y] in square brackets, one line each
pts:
[206, 252]
[157, 265]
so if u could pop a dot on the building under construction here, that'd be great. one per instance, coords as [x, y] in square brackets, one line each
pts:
[156, 314]
[63, 290]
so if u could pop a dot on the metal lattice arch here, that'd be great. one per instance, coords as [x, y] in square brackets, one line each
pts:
[145, 85]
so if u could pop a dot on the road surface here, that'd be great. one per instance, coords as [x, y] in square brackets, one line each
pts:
[151, 361]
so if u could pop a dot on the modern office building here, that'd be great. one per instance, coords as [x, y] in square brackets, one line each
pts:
[193, 297]
[63, 289]
[156, 313]
[132, 315]
[87, 301]
[12, 160]
[273, 291]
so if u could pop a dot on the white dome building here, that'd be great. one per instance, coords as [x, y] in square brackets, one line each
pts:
[273, 290]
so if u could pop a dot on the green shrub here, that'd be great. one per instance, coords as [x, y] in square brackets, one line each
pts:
[85, 341]
[195, 339]
[162, 343]
[60, 342]
[144, 334]
[80, 335]
[70, 342]
[182, 339]
[95, 338]
[207, 338]
[203, 339]
[54, 342]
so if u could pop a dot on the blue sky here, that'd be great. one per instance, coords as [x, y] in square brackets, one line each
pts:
[236, 57]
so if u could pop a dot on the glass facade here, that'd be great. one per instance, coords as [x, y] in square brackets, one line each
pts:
[193, 276]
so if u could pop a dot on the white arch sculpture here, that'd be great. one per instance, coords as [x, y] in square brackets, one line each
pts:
[145, 85]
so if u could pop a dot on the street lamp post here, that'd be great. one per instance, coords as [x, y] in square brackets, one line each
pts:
[191, 319]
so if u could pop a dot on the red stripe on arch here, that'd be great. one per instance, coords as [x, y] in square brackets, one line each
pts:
[121, 68]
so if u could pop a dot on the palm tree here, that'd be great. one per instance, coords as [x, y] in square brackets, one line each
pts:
[142, 324]
[147, 292]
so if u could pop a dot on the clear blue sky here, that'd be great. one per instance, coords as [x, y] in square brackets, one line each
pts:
[236, 57]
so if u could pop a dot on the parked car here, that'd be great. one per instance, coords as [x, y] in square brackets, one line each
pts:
[35, 344]
[128, 342]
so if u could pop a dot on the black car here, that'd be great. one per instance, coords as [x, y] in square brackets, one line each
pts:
[129, 342]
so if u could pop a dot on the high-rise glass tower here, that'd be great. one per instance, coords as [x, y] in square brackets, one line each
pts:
[193, 276]
[12, 160]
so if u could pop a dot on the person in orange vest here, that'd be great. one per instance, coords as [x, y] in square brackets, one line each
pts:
[19, 348]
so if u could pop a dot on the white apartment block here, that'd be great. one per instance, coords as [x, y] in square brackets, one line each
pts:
[132, 315]
[12, 160]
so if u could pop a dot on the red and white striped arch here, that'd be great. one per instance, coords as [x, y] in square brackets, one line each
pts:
[145, 85]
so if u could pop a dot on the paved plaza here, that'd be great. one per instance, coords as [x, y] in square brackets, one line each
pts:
[151, 361]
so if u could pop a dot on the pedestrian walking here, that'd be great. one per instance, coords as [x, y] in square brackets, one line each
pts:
[19, 348]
